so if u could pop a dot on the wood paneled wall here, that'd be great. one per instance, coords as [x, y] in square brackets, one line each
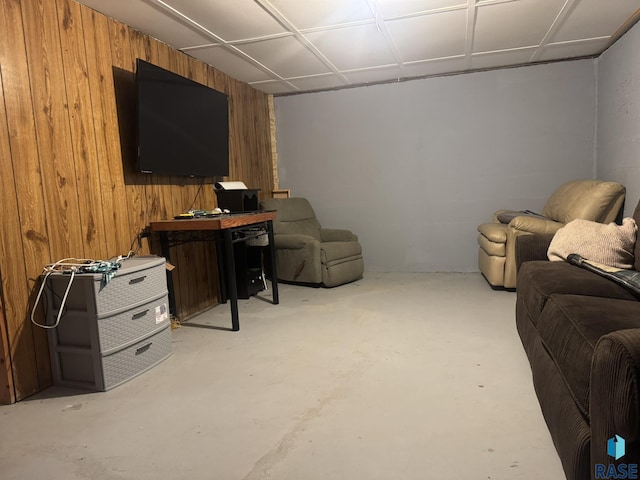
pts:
[68, 185]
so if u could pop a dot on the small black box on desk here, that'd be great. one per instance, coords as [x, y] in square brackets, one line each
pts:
[238, 200]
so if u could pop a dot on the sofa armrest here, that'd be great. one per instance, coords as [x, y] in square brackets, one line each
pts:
[337, 235]
[535, 224]
[615, 394]
[532, 247]
[292, 241]
[497, 213]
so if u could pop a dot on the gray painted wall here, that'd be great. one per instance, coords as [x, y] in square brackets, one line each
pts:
[618, 117]
[414, 167]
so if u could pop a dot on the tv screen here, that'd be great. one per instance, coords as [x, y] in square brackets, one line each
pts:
[183, 126]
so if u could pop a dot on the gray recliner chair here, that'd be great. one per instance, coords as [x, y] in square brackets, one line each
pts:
[306, 253]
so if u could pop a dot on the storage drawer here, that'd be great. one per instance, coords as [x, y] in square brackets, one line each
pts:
[139, 278]
[139, 357]
[132, 325]
[81, 368]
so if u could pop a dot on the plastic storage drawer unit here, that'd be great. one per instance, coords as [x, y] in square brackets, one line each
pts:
[109, 333]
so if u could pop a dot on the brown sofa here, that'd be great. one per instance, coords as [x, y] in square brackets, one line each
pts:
[581, 333]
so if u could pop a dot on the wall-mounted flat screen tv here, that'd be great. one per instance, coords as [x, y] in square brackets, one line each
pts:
[183, 126]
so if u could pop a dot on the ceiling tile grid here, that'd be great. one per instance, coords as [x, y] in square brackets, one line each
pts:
[514, 24]
[292, 46]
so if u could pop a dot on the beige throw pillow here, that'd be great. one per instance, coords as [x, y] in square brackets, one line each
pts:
[610, 244]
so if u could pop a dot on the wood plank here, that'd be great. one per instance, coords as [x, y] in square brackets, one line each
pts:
[29, 361]
[52, 126]
[105, 124]
[142, 47]
[272, 144]
[166, 192]
[165, 188]
[184, 191]
[124, 82]
[7, 391]
[74, 60]
[200, 279]
[171, 186]
[217, 80]
[235, 133]
[11, 258]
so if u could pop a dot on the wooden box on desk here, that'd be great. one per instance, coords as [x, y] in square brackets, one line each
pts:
[281, 193]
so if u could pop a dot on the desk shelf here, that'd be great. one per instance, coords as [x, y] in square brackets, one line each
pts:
[248, 264]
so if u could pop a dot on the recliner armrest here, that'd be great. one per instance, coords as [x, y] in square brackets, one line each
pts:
[337, 235]
[497, 213]
[532, 247]
[535, 224]
[293, 241]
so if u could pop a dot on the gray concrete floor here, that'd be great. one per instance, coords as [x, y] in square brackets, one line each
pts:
[395, 376]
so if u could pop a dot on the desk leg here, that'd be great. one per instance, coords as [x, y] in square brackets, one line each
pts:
[222, 274]
[274, 272]
[164, 248]
[232, 288]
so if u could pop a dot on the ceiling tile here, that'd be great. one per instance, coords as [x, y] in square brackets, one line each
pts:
[395, 8]
[596, 18]
[420, 69]
[151, 20]
[318, 82]
[286, 56]
[514, 24]
[273, 87]
[230, 63]
[573, 49]
[374, 75]
[320, 14]
[230, 20]
[354, 47]
[429, 36]
[502, 58]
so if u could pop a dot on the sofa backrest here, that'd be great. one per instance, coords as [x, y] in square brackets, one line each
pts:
[594, 200]
[294, 216]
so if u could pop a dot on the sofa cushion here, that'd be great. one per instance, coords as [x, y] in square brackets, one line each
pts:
[569, 328]
[629, 279]
[539, 279]
[592, 199]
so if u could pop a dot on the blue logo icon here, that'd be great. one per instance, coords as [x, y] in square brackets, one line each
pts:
[616, 447]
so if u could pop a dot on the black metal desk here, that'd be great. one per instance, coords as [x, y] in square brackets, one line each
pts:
[226, 229]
